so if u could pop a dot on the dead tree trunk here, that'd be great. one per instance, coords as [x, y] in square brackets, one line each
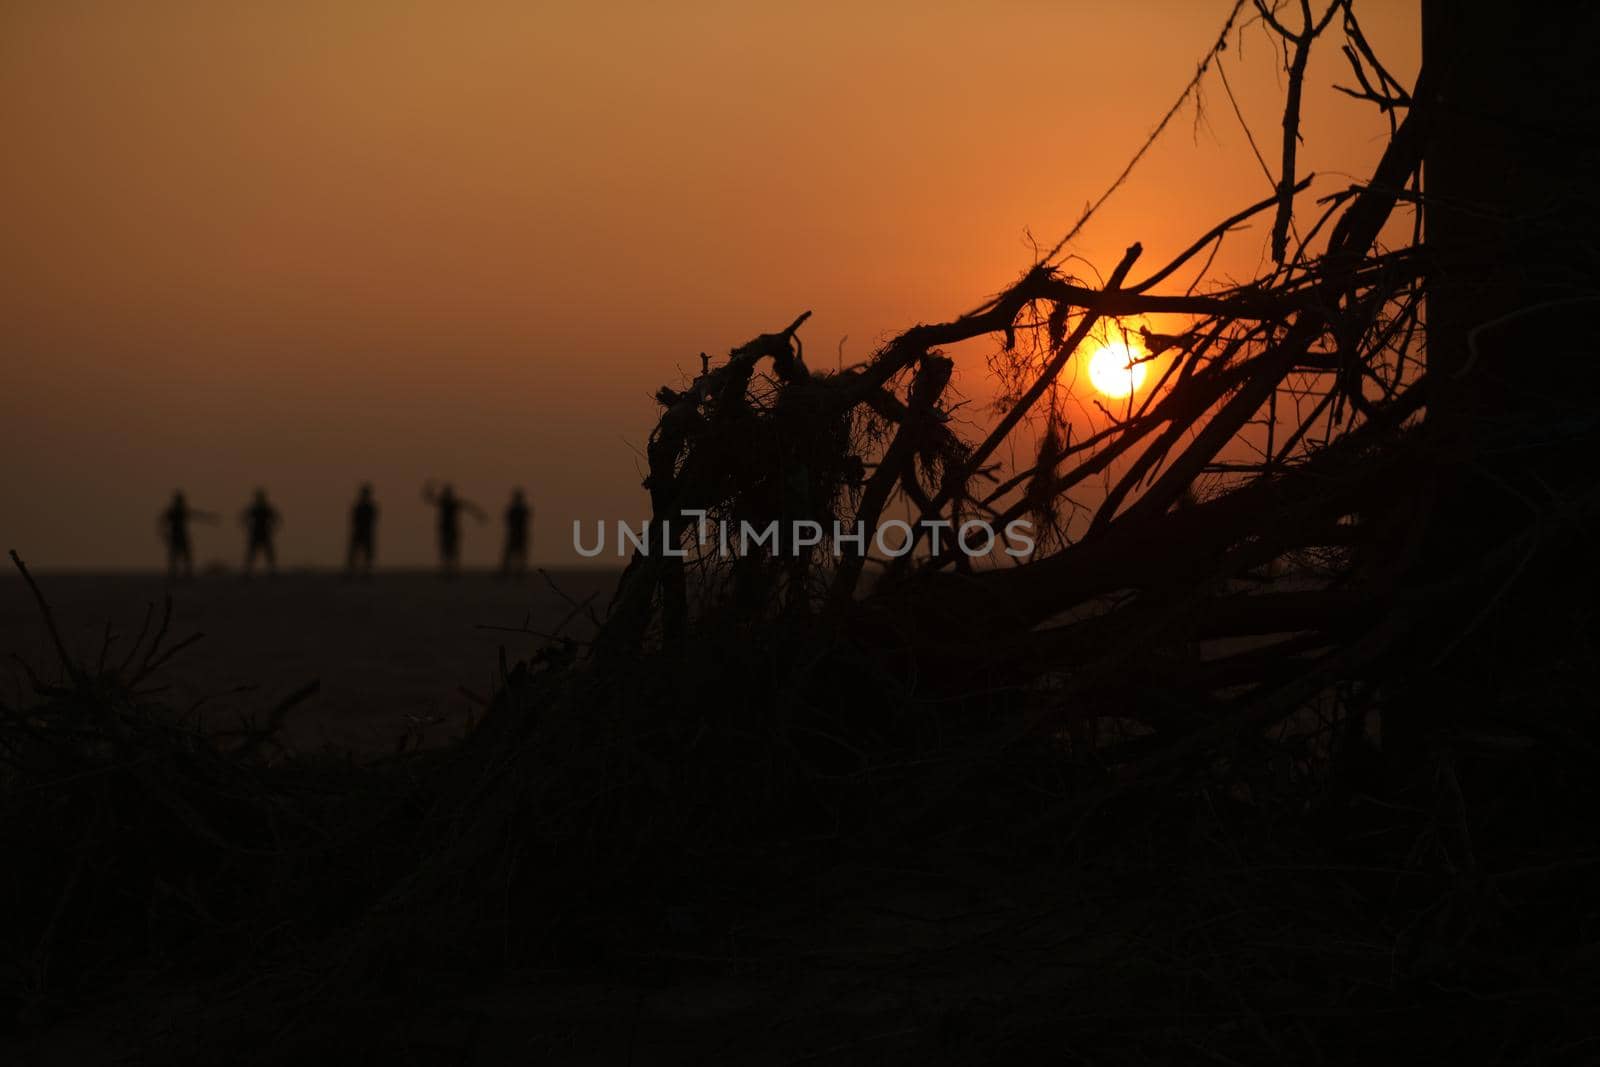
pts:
[1511, 237]
[1509, 172]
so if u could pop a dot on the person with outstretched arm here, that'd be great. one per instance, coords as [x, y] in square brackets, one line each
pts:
[174, 526]
[450, 508]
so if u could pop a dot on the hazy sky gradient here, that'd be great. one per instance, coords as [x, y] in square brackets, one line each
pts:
[302, 245]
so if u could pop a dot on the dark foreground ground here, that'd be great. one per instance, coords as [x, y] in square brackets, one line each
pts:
[557, 891]
[392, 654]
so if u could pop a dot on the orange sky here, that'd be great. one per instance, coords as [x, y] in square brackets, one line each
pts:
[302, 245]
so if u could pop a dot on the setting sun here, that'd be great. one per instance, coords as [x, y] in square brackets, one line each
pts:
[1114, 370]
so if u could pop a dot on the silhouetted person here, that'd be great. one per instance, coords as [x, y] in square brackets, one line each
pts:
[450, 508]
[514, 560]
[260, 522]
[363, 532]
[174, 525]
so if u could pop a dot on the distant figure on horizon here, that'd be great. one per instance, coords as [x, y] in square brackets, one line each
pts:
[260, 521]
[514, 560]
[450, 507]
[363, 532]
[174, 526]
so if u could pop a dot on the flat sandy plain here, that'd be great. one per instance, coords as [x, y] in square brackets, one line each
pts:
[391, 653]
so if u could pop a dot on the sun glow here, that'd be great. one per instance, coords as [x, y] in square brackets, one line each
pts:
[1115, 370]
